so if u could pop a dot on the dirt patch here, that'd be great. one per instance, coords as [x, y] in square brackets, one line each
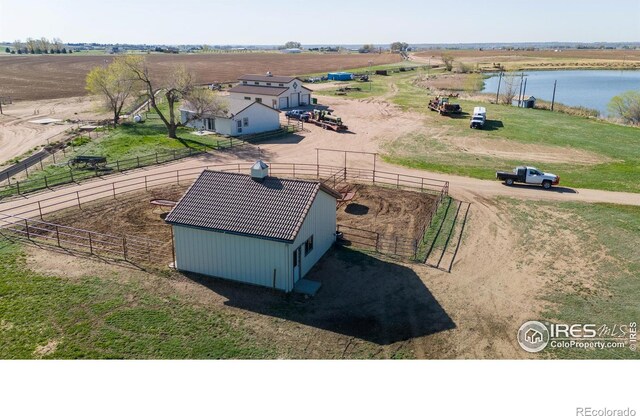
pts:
[18, 135]
[48, 349]
[389, 212]
[512, 150]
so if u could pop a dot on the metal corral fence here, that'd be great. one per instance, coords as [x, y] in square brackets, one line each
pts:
[72, 175]
[26, 220]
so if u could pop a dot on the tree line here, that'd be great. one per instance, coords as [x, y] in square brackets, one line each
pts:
[38, 46]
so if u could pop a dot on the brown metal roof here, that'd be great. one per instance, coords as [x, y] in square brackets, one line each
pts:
[265, 78]
[235, 203]
[261, 90]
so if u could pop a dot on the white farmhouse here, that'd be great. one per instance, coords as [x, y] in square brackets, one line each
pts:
[240, 118]
[273, 90]
[255, 229]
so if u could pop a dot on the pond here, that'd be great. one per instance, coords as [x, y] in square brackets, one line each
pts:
[586, 88]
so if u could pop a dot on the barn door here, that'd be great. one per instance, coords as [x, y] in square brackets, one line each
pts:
[297, 264]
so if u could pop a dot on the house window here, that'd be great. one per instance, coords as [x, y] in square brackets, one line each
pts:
[274, 103]
[257, 83]
[282, 85]
[244, 82]
[268, 83]
[245, 122]
[247, 98]
[308, 246]
[258, 100]
[239, 125]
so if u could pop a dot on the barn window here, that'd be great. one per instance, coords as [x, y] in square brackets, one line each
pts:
[247, 98]
[308, 245]
[282, 85]
[257, 83]
[258, 100]
[245, 121]
[244, 82]
[268, 83]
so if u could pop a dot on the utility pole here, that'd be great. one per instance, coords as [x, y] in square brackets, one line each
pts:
[498, 91]
[370, 75]
[524, 91]
[553, 100]
[520, 92]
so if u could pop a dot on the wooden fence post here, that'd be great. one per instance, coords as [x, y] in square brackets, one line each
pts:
[118, 165]
[157, 158]
[46, 185]
[138, 159]
[146, 188]
[90, 242]
[113, 186]
[415, 249]
[18, 186]
[124, 247]
[78, 196]
[26, 225]
[395, 247]
[71, 174]
[178, 177]
[58, 236]
[40, 209]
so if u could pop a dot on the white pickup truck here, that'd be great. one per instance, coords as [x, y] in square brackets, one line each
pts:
[528, 174]
[479, 118]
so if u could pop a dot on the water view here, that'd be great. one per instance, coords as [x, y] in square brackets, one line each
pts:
[586, 88]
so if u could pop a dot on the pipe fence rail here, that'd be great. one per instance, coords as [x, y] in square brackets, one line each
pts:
[26, 220]
[73, 175]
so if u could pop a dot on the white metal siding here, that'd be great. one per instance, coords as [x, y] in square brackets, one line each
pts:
[261, 119]
[321, 223]
[244, 259]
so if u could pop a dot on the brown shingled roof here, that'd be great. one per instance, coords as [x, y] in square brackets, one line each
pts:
[235, 203]
[251, 89]
[266, 78]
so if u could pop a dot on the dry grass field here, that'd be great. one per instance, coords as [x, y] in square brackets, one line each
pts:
[543, 59]
[47, 77]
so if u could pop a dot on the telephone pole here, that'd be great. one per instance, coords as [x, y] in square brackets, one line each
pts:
[553, 100]
[498, 91]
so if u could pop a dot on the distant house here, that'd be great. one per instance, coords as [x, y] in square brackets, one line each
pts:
[240, 118]
[275, 91]
[292, 50]
[255, 229]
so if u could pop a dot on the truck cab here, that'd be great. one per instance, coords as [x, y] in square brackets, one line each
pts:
[529, 175]
[479, 118]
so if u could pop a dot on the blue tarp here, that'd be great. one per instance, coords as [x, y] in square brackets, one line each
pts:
[340, 76]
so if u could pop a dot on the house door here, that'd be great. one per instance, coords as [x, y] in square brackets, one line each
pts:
[211, 124]
[297, 264]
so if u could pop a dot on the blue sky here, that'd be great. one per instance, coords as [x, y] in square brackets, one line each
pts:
[320, 22]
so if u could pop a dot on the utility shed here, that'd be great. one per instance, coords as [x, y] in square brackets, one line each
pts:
[255, 229]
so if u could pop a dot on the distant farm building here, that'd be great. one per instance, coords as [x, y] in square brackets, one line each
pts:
[339, 76]
[241, 118]
[255, 229]
[275, 91]
[292, 50]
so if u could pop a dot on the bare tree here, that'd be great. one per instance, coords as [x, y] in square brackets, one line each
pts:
[178, 84]
[627, 107]
[203, 102]
[43, 45]
[57, 45]
[17, 45]
[114, 83]
[511, 84]
[31, 45]
[448, 62]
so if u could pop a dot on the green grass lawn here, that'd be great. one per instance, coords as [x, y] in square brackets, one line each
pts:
[606, 251]
[101, 318]
[618, 146]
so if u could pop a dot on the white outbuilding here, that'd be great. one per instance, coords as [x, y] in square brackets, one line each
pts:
[239, 119]
[255, 228]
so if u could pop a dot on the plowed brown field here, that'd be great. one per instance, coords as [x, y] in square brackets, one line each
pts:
[47, 77]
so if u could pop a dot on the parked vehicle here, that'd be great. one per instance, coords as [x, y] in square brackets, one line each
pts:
[443, 107]
[527, 174]
[298, 114]
[479, 118]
